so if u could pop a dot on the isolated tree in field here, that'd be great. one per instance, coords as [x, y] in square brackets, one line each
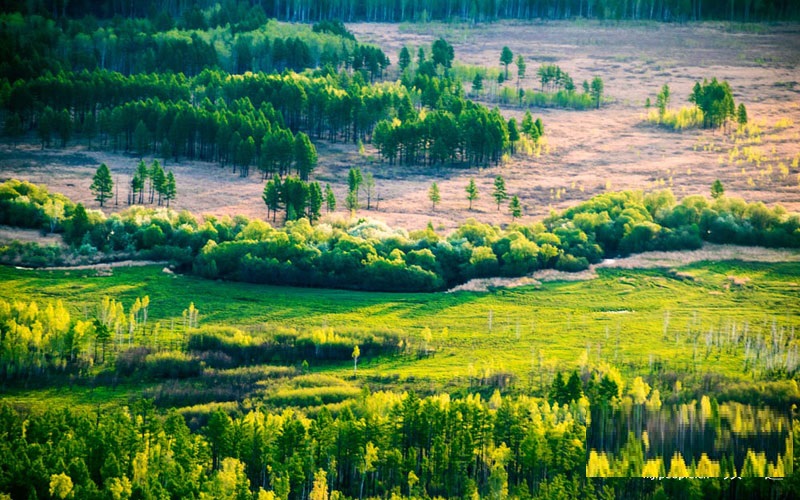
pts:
[515, 207]
[305, 155]
[272, 196]
[356, 355]
[520, 69]
[102, 184]
[472, 192]
[404, 59]
[170, 188]
[597, 91]
[741, 115]
[369, 187]
[499, 193]
[506, 58]
[315, 201]
[477, 83]
[433, 195]
[717, 189]
[662, 100]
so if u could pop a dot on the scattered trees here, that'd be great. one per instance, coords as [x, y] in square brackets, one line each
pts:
[515, 208]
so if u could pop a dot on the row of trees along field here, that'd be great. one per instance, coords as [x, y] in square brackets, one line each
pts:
[369, 255]
[212, 12]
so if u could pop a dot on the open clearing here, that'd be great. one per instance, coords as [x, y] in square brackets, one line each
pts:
[590, 151]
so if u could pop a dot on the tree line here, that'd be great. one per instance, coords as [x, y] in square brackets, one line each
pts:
[240, 13]
[141, 45]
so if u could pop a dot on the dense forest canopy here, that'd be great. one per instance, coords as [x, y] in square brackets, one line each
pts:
[420, 10]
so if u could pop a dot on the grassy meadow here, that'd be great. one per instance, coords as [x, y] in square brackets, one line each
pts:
[693, 320]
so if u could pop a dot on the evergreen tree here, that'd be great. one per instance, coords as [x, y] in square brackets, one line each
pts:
[305, 155]
[102, 184]
[597, 91]
[472, 192]
[521, 66]
[433, 195]
[717, 189]
[352, 201]
[330, 199]
[515, 207]
[404, 59]
[315, 201]
[272, 196]
[499, 193]
[513, 134]
[442, 54]
[506, 58]
[158, 180]
[138, 180]
[741, 115]
[170, 188]
[477, 83]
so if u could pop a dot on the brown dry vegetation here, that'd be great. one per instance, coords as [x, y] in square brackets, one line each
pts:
[588, 150]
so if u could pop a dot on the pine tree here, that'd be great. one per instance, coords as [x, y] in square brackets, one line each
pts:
[170, 188]
[477, 83]
[433, 195]
[499, 194]
[305, 155]
[597, 91]
[158, 181]
[717, 189]
[472, 192]
[315, 201]
[404, 59]
[506, 58]
[515, 207]
[330, 199]
[272, 196]
[102, 184]
[521, 66]
[741, 115]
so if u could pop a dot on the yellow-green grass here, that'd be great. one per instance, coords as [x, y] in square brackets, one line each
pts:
[619, 316]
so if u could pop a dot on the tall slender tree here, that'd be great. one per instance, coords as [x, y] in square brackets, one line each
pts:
[102, 184]
[433, 195]
[472, 192]
[506, 58]
[499, 193]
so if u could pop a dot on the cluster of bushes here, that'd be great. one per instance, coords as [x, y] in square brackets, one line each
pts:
[288, 346]
[369, 255]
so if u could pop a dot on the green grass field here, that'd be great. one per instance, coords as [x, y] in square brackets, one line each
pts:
[626, 317]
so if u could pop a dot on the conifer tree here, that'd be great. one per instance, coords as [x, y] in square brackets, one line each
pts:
[472, 192]
[433, 195]
[499, 193]
[102, 184]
